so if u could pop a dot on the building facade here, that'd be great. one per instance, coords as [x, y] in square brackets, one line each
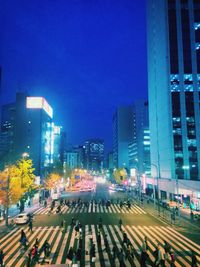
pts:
[71, 159]
[27, 123]
[122, 136]
[139, 148]
[94, 154]
[173, 35]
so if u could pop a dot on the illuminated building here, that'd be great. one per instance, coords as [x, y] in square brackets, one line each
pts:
[57, 143]
[122, 136]
[139, 148]
[71, 159]
[173, 35]
[94, 154]
[28, 123]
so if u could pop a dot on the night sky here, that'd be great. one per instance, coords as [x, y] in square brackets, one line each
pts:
[85, 57]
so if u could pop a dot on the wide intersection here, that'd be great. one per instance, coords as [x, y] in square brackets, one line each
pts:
[137, 223]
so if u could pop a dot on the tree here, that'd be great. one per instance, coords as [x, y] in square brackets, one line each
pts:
[52, 181]
[120, 175]
[16, 180]
[26, 173]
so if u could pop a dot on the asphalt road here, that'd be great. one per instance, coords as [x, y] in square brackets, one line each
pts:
[102, 192]
[137, 223]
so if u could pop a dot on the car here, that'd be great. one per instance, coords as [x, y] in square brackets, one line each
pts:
[22, 218]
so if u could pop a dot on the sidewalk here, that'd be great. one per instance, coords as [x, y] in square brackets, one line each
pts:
[12, 215]
[165, 215]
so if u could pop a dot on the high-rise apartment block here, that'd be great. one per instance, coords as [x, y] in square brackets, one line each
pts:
[173, 30]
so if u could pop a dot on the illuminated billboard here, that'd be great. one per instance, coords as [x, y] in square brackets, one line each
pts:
[39, 103]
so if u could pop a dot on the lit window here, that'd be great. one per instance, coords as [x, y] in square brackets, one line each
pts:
[192, 142]
[146, 143]
[197, 46]
[196, 26]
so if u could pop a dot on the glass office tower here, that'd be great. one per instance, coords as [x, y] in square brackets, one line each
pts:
[173, 35]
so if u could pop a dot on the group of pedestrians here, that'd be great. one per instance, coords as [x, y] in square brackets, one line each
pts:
[74, 255]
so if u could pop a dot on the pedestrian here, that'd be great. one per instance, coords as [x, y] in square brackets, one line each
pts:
[100, 223]
[121, 258]
[114, 252]
[172, 258]
[34, 254]
[106, 243]
[120, 224]
[145, 245]
[89, 242]
[167, 248]
[72, 221]
[132, 251]
[128, 250]
[80, 243]
[23, 239]
[93, 253]
[194, 259]
[62, 226]
[160, 258]
[30, 225]
[143, 258]
[46, 249]
[77, 231]
[65, 226]
[125, 238]
[1, 258]
[70, 255]
[99, 238]
[29, 260]
[78, 255]
[36, 244]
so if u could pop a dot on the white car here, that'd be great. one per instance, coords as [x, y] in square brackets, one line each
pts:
[22, 218]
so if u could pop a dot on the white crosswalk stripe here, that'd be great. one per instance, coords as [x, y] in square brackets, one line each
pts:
[114, 208]
[61, 241]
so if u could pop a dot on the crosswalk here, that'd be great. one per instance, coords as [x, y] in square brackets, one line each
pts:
[92, 208]
[61, 241]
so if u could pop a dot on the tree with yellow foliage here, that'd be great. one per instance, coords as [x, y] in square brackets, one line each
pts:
[52, 181]
[120, 175]
[15, 181]
[26, 169]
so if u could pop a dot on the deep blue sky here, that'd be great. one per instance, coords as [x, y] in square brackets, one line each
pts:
[85, 57]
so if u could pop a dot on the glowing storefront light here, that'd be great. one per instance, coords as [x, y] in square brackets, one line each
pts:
[39, 103]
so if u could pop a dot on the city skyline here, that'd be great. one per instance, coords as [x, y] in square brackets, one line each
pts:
[84, 59]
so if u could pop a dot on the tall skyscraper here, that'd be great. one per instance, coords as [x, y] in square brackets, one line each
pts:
[173, 30]
[122, 136]
[27, 128]
[94, 154]
[139, 148]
